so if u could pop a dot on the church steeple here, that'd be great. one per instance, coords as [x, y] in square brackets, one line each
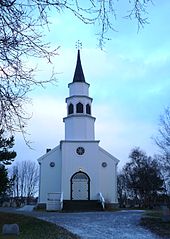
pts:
[79, 123]
[78, 74]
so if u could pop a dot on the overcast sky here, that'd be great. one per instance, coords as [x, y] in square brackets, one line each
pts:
[129, 83]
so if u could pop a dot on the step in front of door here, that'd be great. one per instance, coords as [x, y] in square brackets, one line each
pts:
[82, 205]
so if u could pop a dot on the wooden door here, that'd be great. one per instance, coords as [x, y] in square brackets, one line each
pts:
[80, 186]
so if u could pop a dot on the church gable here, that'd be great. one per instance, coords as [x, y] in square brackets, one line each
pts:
[50, 154]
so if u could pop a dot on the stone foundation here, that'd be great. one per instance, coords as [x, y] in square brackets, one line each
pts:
[41, 206]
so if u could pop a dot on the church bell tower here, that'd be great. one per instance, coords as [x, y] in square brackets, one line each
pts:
[79, 123]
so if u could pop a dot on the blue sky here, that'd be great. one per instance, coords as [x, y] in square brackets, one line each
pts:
[130, 83]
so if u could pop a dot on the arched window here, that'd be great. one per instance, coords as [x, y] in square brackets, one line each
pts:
[70, 109]
[79, 108]
[88, 109]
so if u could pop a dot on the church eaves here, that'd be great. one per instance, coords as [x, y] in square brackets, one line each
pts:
[78, 74]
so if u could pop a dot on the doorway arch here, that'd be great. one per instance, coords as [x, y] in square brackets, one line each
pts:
[80, 186]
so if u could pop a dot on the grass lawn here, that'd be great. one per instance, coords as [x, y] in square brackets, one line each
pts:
[152, 220]
[33, 228]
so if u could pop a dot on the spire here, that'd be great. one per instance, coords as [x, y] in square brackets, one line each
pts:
[78, 74]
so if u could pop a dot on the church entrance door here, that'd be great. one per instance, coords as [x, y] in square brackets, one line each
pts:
[80, 186]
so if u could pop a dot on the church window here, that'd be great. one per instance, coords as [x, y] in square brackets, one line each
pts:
[88, 109]
[79, 108]
[104, 164]
[80, 150]
[52, 164]
[70, 109]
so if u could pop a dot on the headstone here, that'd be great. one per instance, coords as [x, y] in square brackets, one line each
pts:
[165, 214]
[10, 229]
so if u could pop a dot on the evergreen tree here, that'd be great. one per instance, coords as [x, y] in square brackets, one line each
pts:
[6, 158]
[6, 154]
[4, 181]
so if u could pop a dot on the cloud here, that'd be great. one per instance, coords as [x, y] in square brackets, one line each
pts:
[119, 134]
[45, 128]
[123, 83]
[116, 132]
[129, 84]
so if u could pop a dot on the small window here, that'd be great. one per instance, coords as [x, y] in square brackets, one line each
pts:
[88, 109]
[80, 150]
[70, 109]
[79, 108]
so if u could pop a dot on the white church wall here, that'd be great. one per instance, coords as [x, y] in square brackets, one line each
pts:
[79, 127]
[77, 88]
[108, 176]
[50, 174]
[87, 163]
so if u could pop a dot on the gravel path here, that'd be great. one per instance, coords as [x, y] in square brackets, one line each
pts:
[97, 225]
[102, 225]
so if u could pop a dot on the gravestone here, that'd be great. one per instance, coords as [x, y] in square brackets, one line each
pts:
[10, 229]
[165, 214]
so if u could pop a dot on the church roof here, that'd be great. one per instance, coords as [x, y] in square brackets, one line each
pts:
[78, 74]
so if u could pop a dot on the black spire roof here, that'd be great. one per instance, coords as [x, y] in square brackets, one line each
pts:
[78, 74]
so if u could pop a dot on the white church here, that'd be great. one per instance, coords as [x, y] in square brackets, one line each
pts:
[78, 173]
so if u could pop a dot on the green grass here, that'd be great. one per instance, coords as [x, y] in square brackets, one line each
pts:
[152, 220]
[33, 228]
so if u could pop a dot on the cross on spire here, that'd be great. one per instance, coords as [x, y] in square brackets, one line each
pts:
[78, 45]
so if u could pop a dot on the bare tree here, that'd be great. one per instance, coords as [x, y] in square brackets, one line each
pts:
[19, 39]
[25, 179]
[163, 137]
[15, 181]
[143, 177]
[21, 24]
[122, 189]
[162, 140]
